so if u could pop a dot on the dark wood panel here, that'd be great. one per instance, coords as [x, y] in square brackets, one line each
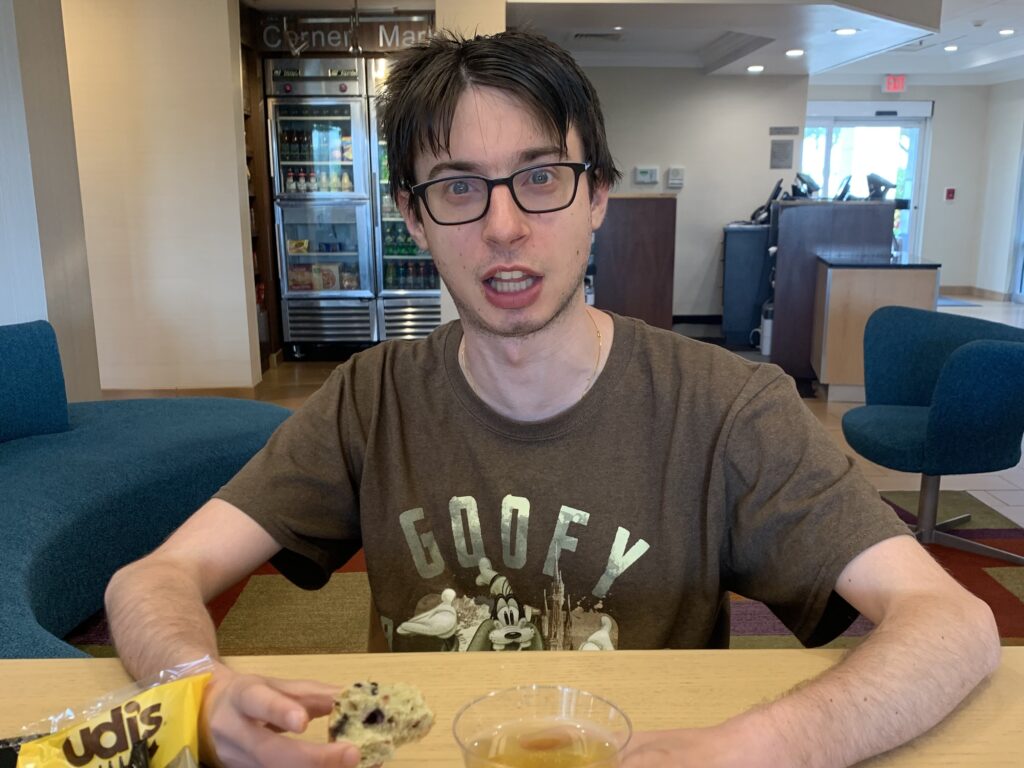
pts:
[805, 230]
[634, 253]
[261, 200]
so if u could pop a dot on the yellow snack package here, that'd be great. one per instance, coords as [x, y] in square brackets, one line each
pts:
[153, 724]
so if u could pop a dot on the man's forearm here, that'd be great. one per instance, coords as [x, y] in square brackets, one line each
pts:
[903, 679]
[157, 618]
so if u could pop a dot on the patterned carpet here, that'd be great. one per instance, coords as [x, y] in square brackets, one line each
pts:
[267, 615]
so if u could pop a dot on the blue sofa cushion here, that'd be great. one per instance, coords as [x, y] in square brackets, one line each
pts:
[76, 506]
[32, 396]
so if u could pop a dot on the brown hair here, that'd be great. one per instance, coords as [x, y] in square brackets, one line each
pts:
[425, 83]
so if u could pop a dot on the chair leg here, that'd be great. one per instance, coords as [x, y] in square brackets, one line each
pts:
[929, 533]
[969, 545]
[927, 508]
[953, 522]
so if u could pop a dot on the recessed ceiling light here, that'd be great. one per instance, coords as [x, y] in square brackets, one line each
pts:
[755, 69]
[951, 48]
[1007, 32]
[616, 29]
[846, 31]
[795, 53]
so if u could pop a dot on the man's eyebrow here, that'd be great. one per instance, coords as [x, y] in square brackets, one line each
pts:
[526, 157]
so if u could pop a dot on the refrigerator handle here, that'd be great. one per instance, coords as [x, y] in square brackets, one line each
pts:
[270, 134]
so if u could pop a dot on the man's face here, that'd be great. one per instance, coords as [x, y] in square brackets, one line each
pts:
[510, 273]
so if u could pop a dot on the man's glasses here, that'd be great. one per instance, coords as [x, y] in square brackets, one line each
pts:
[464, 199]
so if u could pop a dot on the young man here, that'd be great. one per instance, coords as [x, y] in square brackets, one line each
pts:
[577, 479]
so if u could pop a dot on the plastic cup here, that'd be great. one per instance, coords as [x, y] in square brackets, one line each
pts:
[541, 726]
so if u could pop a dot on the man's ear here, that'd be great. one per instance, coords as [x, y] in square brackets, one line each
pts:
[408, 207]
[598, 205]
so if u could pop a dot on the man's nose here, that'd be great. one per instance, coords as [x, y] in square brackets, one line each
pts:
[505, 221]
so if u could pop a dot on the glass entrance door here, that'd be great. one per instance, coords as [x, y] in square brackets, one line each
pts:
[844, 153]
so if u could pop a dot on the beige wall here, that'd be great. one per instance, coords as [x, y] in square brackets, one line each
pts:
[958, 158]
[156, 95]
[41, 207]
[1005, 146]
[717, 128]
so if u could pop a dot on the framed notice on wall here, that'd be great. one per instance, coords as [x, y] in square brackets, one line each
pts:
[782, 153]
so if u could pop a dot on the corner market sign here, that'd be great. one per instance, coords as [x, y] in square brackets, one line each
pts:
[334, 35]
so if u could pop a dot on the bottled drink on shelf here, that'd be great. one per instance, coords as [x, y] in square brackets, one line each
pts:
[403, 275]
[301, 184]
[346, 182]
[311, 182]
[334, 182]
[324, 183]
[390, 278]
[290, 185]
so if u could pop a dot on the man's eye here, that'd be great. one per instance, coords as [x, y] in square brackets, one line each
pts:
[540, 176]
[458, 188]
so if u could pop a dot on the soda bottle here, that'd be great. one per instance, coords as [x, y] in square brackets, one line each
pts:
[311, 183]
[289, 185]
[403, 275]
[346, 182]
[324, 184]
[301, 186]
[389, 275]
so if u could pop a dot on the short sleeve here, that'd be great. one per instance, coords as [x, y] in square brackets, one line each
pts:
[301, 487]
[798, 509]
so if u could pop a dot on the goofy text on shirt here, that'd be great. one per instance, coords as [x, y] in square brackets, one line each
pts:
[515, 521]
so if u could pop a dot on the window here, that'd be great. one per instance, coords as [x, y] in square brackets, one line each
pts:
[840, 150]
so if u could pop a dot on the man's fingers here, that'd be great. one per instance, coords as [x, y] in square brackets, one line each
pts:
[316, 697]
[265, 704]
[273, 750]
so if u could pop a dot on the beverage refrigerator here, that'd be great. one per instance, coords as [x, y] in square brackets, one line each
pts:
[349, 271]
[409, 296]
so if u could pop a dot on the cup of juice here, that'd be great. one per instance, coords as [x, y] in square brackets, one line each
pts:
[541, 726]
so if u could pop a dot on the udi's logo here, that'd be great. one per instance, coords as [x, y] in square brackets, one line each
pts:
[126, 735]
[128, 725]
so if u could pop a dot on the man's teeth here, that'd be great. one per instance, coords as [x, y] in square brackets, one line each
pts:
[511, 282]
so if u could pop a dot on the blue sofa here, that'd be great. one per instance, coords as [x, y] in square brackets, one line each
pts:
[88, 487]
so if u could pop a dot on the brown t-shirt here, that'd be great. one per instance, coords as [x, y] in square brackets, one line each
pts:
[685, 472]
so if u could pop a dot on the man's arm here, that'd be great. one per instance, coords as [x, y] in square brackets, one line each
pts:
[157, 605]
[158, 618]
[933, 643]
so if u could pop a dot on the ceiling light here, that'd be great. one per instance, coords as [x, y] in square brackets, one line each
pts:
[846, 31]
[1007, 32]
[616, 29]
[795, 53]
[951, 48]
[755, 69]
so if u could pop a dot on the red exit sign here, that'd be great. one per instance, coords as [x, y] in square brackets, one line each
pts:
[895, 84]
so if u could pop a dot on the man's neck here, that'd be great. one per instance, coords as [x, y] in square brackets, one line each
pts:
[537, 377]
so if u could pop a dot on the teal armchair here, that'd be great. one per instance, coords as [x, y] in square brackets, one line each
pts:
[945, 396]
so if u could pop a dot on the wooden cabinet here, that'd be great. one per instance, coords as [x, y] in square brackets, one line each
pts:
[634, 255]
[845, 298]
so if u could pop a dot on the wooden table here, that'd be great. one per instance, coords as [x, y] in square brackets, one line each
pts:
[658, 689]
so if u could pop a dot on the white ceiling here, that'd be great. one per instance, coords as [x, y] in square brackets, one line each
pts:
[726, 36]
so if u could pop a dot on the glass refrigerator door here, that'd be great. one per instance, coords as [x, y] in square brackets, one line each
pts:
[319, 148]
[405, 267]
[325, 249]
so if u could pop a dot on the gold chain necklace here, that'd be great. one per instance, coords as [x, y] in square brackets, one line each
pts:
[597, 362]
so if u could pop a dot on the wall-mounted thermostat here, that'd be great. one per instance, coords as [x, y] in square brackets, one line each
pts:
[646, 174]
[676, 177]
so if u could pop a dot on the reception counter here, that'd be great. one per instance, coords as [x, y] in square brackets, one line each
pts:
[848, 289]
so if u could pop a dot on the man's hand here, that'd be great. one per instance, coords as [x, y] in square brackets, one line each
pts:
[242, 717]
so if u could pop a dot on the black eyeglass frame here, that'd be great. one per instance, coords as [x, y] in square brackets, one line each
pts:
[419, 190]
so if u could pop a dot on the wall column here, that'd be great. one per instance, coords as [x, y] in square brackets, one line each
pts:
[43, 232]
